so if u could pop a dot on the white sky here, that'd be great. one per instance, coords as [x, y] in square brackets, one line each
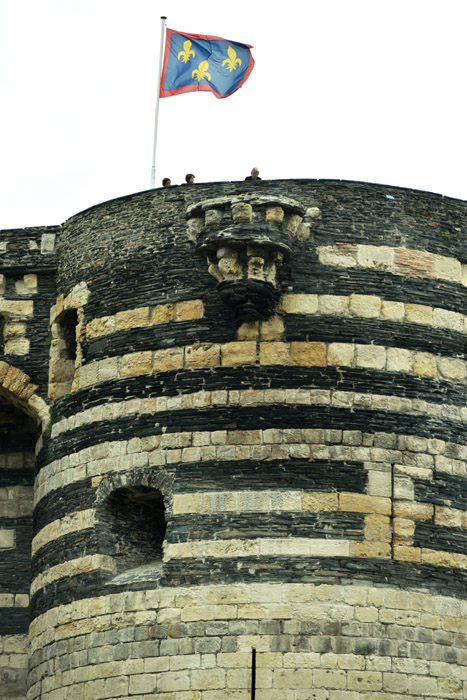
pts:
[343, 89]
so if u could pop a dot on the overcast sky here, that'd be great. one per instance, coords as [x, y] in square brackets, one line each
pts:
[342, 89]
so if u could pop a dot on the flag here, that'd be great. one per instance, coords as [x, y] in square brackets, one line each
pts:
[195, 62]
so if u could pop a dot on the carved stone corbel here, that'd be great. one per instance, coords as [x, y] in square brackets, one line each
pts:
[245, 239]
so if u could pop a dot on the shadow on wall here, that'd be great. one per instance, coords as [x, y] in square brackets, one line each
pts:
[135, 522]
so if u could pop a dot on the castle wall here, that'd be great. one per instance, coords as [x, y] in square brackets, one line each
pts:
[220, 501]
[27, 290]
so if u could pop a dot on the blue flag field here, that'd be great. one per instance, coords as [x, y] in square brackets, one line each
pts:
[194, 62]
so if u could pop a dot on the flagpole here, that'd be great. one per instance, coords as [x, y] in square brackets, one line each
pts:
[156, 116]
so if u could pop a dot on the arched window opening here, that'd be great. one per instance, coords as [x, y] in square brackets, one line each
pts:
[136, 519]
[63, 351]
[68, 324]
[18, 435]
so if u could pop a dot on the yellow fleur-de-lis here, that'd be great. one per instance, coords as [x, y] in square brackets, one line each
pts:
[201, 72]
[187, 52]
[232, 60]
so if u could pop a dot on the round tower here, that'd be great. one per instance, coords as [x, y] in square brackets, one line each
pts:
[252, 483]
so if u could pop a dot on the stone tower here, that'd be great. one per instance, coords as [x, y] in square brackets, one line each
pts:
[232, 447]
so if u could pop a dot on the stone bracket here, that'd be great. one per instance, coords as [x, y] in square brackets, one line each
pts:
[245, 240]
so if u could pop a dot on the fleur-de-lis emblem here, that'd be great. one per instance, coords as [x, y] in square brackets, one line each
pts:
[201, 72]
[187, 52]
[232, 60]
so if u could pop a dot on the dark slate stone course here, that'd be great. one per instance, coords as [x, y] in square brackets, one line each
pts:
[367, 331]
[313, 278]
[17, 477]
[308, 328]
[14, 620]
[225, 526]
[247, 377]
[189, 528]
[66, 548]
[60, 502]
[249, 418]
[320, 475]
[447, 539]
[444, 489]
[279, 569]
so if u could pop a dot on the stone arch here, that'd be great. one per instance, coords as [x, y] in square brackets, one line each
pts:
[131, 520]
[23, 416]
[67, 328]
[17, 387]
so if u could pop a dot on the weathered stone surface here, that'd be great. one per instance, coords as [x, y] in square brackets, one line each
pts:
[308, 470]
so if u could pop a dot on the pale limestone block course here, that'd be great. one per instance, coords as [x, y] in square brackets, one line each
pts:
[28, 285]
[306, 354]
[2, 284]
[379, 484]
[274, 353]
[451, 688]
[343, 399]
[442, 318]
[340, 354]
[202, 355]
[453, 369]
[100, 326]
[88, 375]
[375, 257]
[47, 243]
[360, 503]
[18, 346]
[7, 539]
[329, 678]
[377, 528]
[410, 509]
[424, 364]
[274, 215]
[241, 212]
[365, 680]
[303, 232]
[189, 310]
[332, 304]
[212, 218]
[399, 360]
[132, 318]
[448, 517]
[238, 353]
[299, 303]
[77, 297]
[194, 228]
[289, 679]
[392, 310]
[12, 307]
[423, 685]
[365, 306]
[136, 363]
[447, 268]
[370, 550]
[234, 660]
[370, 356]
[327, 548]
[286, 501]
[273, 329]
[166, 360]
[293, 223]
[249, 330]
[163, 313]
[417, 313]
[109, 369]
[403, 531]
[336, 257]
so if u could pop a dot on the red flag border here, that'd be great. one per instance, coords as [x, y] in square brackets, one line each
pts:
[199, 88]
